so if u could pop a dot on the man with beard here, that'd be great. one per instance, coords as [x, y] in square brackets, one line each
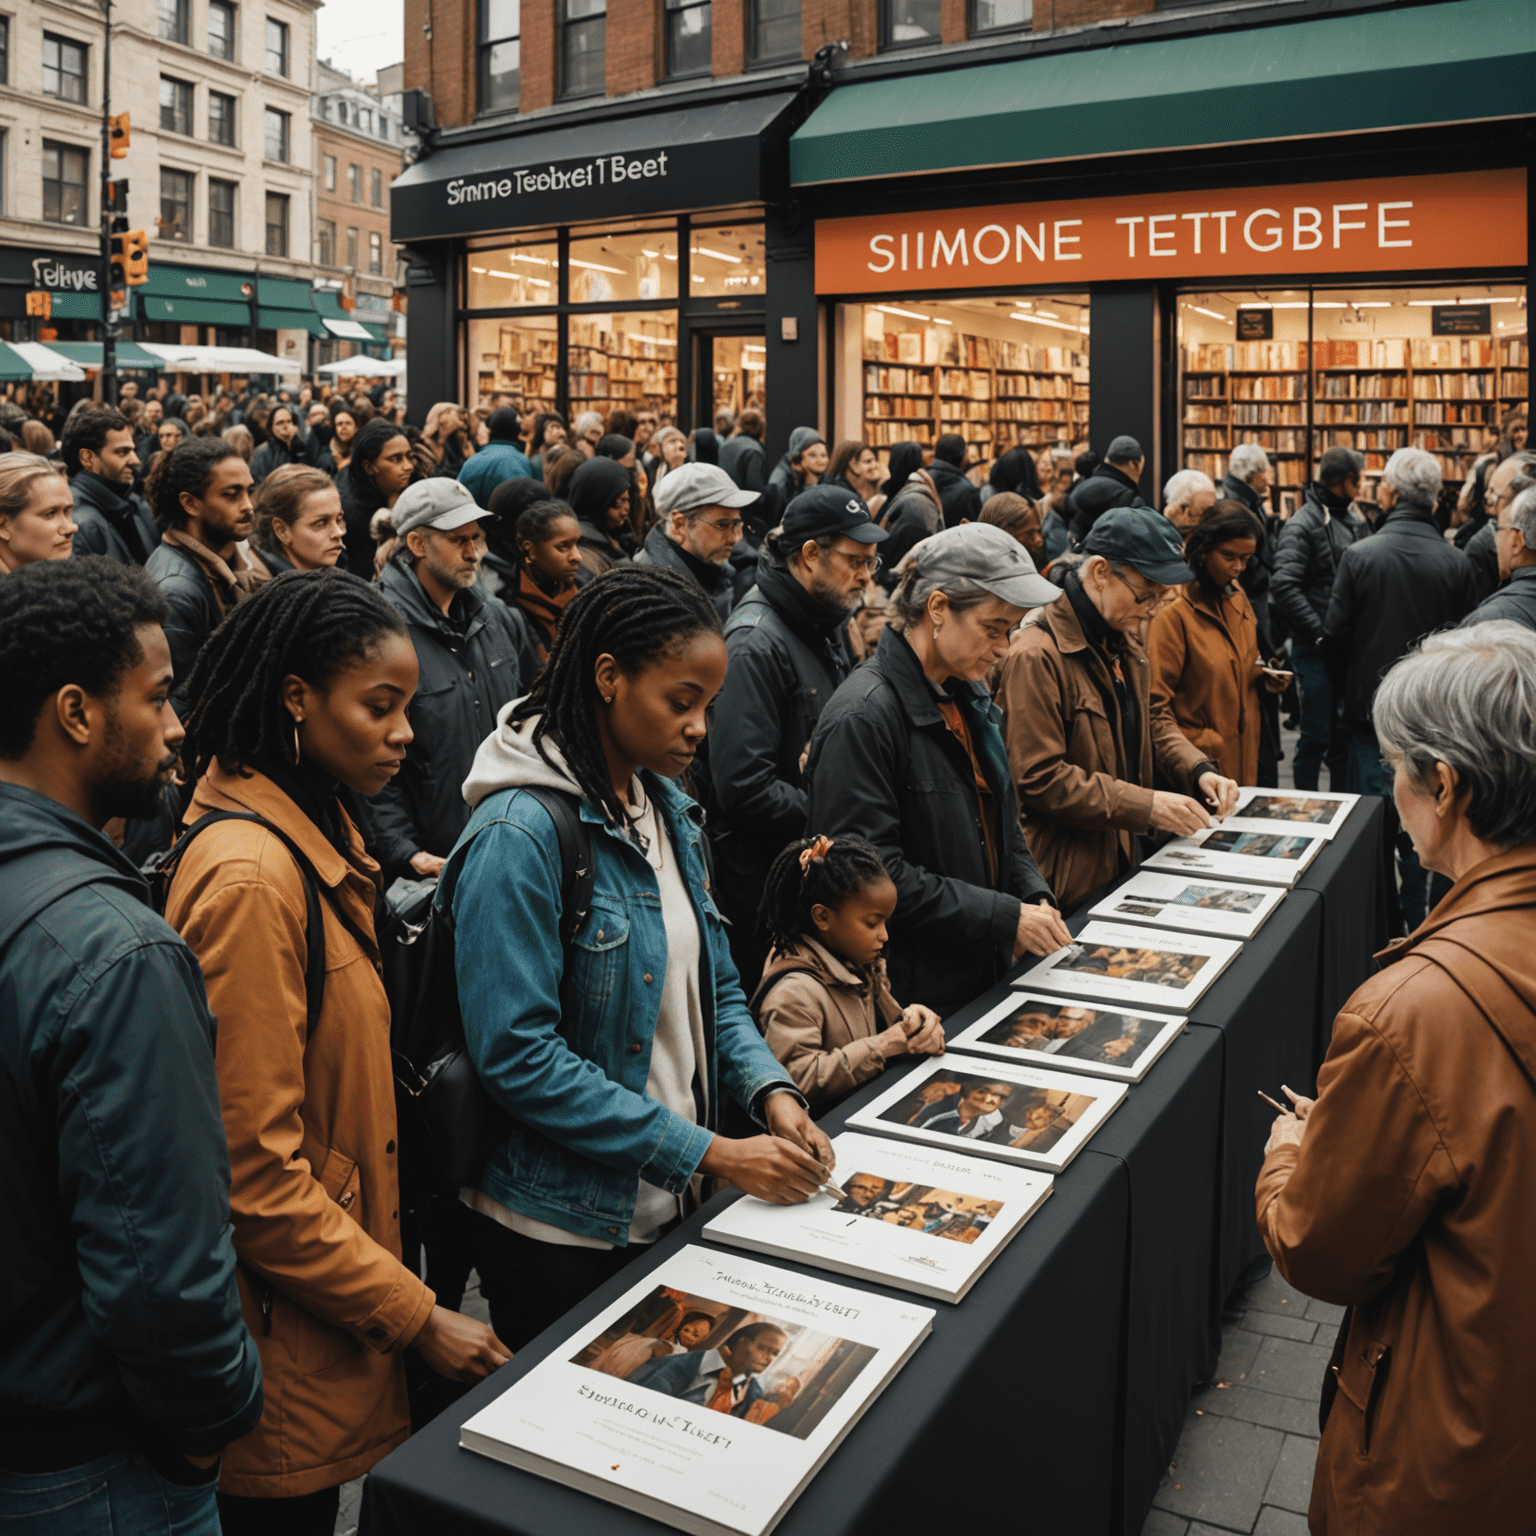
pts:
[788, 651]
[127, 1365]
[111, 518]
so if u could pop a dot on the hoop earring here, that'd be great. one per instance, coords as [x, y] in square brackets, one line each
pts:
[297, 753]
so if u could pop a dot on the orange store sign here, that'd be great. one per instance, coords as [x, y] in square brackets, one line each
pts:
[1395, 224]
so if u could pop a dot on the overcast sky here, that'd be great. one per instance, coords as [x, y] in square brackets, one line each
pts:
[361, 36]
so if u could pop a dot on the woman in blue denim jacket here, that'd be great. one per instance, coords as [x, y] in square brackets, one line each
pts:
[614, 1105]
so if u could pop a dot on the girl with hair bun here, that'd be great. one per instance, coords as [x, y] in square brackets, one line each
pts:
[300, 525]
[824, 1004]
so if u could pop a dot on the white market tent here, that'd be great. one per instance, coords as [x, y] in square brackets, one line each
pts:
[244, 360]
[47, 365]
[365, 367]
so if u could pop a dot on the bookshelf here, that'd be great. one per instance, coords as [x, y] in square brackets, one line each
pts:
[610, 369]
[523, 363]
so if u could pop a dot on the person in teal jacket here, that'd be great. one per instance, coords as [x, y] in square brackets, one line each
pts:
[617, 1104]
[502, 458]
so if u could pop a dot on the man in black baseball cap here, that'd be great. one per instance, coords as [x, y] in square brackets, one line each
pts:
[1084, 738]
[1115, 483]
[788, 649]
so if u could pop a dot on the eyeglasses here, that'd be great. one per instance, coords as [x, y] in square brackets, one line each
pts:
[1141, 597]
[868, 564]
[734, 526]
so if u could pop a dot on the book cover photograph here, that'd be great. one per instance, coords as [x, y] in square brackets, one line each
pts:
[1073, 1035]
[919, 1220]
[1313, 811]
[708, 1395]
[1197, 906]
[1134, 965]
[1015, 1113]
[1267, 858]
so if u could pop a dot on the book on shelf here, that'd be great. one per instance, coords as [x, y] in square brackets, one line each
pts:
[1276, 386]
[1121, 963]
[707, 1396]
[1191, 904]
[1245, 356]
[1072, 1034]
[1269, 858]
[1317, 812]
[1452, 352]
[1383, 352]
[910, 1217]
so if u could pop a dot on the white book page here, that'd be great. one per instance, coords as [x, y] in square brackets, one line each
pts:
[1071, 1034]
[1117, 963]
[1217, 907]
[1314, 812]
[1229, 853]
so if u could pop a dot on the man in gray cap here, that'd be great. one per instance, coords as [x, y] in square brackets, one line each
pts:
[474, 656]
[1113, 484]
[698, 524]
[1084, 739]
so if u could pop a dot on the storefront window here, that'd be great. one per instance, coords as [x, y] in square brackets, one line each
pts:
[726, 263]
[627, 265]
[511, 276]
[513, 357]
[627, 360]
[738, 370]
[999, 372]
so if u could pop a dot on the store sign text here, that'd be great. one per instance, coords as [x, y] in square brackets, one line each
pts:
[47, 273]
[605, 171]
[1399, 223]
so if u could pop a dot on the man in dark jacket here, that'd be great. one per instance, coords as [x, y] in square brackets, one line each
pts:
[467, 645]
[960, 499]
[1112, 484]
[742, 456]
[699, 524]
[1247, 482]
[125, 1365]
[788, 650]
[1391, 590]
[1515, 531]
[1306, 561]
[1505, 481]
[111, 519]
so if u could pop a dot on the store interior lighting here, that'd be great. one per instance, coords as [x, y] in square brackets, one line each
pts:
[704, 250]
[906, 314]
[593, 266]
[1057, 325]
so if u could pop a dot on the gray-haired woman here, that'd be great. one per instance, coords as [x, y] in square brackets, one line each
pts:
[908, 754]
[1403, 1190]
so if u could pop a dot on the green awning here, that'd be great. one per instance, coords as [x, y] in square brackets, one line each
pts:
[13, 366]
[130, 355]
[171, 282]
[75, 306]
[282, 293]
[327, 303]
[194, 311]
[290, 320]
[1403, 66]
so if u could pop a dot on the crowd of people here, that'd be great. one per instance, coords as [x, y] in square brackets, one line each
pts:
[729, 780]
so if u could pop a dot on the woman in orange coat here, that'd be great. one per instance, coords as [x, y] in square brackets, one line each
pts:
[1203, 646]
[299, 696]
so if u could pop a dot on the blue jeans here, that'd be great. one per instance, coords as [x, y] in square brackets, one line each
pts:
[1369, 776]
[118, 1495]
[1320, 738]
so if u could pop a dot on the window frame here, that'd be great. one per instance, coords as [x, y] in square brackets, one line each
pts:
[283, 202]
[231, 120]
[183, 106]
[232, 12]
[376, 188]
[60, 42]
[351, 261]
[972, 29]
[671, 16]
[887, 44]
[180, 20]
[188, 184]
[284, 64]
[325, 242]
[354, 183]
[220, 213]
[285, 120]
[757, 59]
[567, 26]
[375, 253]
[485, 47]
[58, 146]
[5, 50]
[328, 172]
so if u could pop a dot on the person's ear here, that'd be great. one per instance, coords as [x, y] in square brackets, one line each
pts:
[294, 692]
[1449, 790]
[608, 676]
[938, 609]
[677, 525]
[416, 542]
[810, 552]
[72, 705]
[281, 532]
[821, 916]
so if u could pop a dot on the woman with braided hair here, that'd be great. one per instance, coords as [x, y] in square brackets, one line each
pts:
[298, 698]
[824, 1005]
[614, 1073]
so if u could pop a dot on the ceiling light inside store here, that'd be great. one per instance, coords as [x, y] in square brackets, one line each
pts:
[593, 266]
[1055, 325]
[747, 346]
[480, 270]
[906, 314]
[539, 261]
[1200, 309]
[537, 282]
[1287, 304]
[511, 277]
[704, 250]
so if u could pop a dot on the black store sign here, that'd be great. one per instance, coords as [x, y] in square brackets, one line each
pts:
[24, 270]
[1461, 320]
[1255, 325]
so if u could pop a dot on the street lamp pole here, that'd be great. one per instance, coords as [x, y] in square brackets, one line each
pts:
[108, 329]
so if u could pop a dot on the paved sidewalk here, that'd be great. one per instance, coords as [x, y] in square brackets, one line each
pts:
[1244, 1461]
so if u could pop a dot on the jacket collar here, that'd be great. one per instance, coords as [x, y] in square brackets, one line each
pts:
[1060, 617]
[1108, 471]
[1522, 573]
[668, 553]
[1411, 512]
[898, 661]
[404, 589]
[810, 954]
[1506, 882]
[34, 821]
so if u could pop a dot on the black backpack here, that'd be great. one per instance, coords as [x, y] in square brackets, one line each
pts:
[449, 1124]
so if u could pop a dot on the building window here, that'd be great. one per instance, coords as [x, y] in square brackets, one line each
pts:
[175, 106]
[63, 68]
[501, 25]
[355, 182]
[5, 50]
[325, 242]
[65, 174]
[221, 214]
[774, 33]
[1001, 15]
[277, 224]
[175, 204]
[688, 43]
[910, 23]
[376, 188]
[173, 20]
[221, 29]
[277, 134]
[352, 247]
[376, 253]
[583, 47]
[277, 47]
[330, 173]
[365, 121]
[221, 118]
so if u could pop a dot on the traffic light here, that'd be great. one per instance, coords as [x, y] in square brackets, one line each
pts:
[117, 198]
[117, 274]
[118, 126]
[136, 258]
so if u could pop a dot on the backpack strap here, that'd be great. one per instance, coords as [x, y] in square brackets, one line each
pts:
[577, 872]
[161, 871]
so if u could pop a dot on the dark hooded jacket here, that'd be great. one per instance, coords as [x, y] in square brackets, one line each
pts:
[714, 580]
[1515, 600]
[112, 520]
[119, 1272]
[914, 512]
[745, 460]
[1307, 558]
[1257, 574]
[1015, 471]
[273, 455]
[1089, 499]
[359, 501]
[961, 500]
[594, 488]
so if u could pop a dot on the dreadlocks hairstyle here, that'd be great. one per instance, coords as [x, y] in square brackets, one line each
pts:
[811, 872]
[634, 613]
[1227, 519]
[186, 469]
[307, 624]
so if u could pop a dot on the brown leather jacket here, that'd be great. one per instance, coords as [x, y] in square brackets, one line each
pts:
[1083, 797]
[1409, 1200]
[1204, 653]
[820, 1020]
[311, 1125]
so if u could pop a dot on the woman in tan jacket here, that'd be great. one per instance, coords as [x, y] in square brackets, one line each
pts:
[1403, 1190]
[299, 696]
[824, 1004]
[1203, 647]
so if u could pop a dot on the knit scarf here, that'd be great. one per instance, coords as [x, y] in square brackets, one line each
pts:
[542, 607]
[231, 582]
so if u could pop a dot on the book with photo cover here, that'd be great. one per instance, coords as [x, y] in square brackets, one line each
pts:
[1268, 858]
[1216, 907]
[708, 1395]
[916, 1219]
[1310, 811]
[1015, 1113]
[1116, 963]
[1072, 1035]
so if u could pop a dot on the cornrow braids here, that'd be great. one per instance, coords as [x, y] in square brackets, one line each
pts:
[811, 872]
[634, 613]
[307, 624]
[186, 469]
